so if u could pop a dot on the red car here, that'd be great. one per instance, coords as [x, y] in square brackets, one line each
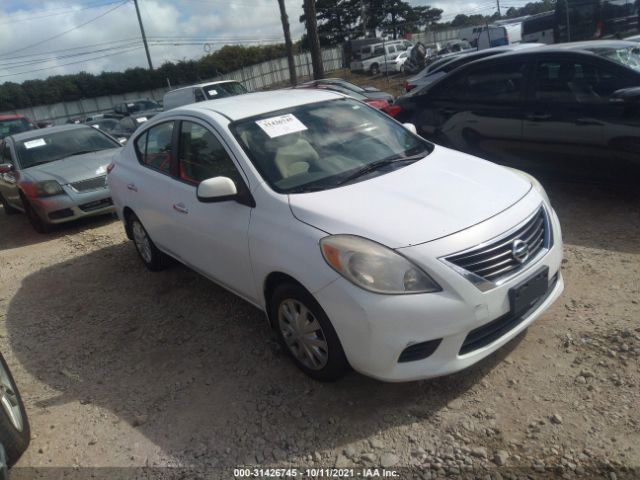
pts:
[10, 124]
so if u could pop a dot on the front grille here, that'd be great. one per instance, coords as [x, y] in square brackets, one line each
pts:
[95, 183]
[495, 260]
[492, 331]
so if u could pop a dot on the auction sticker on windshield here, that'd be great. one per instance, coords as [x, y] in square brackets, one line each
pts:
[212, 92]
[35, 143]
[282, 125]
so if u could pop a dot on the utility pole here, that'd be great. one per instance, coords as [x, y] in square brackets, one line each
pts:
[293, 78]
[499, 13]
[314, 41]
[144, 37]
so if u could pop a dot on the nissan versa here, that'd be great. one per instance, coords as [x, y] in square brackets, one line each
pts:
[366, 245]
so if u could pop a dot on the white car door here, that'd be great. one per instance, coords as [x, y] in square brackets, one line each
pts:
[147, 183]
[212, 237]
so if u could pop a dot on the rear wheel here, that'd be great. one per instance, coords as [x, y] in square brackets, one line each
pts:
[38, 224]
[153, 258]
[375, 69]
[8, 209]
[14, 426]
[307, 334]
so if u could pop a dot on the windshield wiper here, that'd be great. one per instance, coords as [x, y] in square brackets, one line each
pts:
[378, 165]
[82, 152]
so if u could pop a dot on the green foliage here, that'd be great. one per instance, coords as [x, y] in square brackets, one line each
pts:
[62, 88]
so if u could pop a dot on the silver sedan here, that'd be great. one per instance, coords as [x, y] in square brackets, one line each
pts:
[56, 175]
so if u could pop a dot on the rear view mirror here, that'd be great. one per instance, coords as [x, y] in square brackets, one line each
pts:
[217, 189]
[626, 95]
[5, 168]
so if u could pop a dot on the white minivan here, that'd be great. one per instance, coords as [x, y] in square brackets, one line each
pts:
[202, 92]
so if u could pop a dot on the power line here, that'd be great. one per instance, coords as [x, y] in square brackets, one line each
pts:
[53, 13]
[66, 31]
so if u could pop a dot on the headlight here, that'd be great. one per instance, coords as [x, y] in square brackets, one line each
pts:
[374, 267]
[48, 188]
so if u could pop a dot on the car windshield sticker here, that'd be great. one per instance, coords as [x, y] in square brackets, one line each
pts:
[35, 143]
[141, 119]
[281, 125]
[213, 93]
[130, 105]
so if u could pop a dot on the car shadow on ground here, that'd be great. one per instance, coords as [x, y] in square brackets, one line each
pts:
[199, 365]
[16, 231]
[597, 215]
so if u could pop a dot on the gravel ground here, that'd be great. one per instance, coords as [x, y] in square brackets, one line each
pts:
[120, 367]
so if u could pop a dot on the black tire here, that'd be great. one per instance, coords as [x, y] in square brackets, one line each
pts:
[336, 364]
[153, 259]
[38, 224]
[14, 440]
[8, 209]
[375, 69]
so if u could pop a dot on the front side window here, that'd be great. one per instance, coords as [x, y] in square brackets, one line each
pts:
[494, 83]
[153, 147]
[575, 82]
[326, 144]
[202, 156]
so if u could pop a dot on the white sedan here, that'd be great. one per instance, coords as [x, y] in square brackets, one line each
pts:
[395, 65]
[365, 245]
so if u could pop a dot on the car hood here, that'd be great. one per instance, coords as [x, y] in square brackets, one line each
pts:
[73, 169]
[442, 194]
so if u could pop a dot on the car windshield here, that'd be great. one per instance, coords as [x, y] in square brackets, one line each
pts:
[224, 90]
[142, 105]
[50, 147]
[15, 125]
[627, 56]
[326, 144]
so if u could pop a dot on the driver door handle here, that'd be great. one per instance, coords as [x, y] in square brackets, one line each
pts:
[179, 207]
[132, 187]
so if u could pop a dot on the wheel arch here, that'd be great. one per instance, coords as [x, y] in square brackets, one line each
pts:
[271, 282]
[126, 215]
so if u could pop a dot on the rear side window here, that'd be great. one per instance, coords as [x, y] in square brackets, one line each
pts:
[202, 156]
[153, 147]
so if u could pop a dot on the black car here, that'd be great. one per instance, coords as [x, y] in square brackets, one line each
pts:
[129, 124]
[136, 106]
[540, 109]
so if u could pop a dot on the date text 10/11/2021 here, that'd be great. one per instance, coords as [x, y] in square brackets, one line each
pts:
[314, 473]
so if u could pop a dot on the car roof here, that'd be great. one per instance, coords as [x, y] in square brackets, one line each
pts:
[40, 132]
[252, 104]
[11, 116]
[594, 44]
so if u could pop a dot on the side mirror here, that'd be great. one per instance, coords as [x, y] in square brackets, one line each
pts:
[626, 95]
[5, 168]
[411, 127]
[217, 189]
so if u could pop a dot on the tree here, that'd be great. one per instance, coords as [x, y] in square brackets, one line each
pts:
[312, 37]
[293, 77]
[338, 20]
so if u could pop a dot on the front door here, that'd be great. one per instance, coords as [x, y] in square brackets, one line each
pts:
[212, 237]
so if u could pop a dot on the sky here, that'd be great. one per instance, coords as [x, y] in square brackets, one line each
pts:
[103, 35]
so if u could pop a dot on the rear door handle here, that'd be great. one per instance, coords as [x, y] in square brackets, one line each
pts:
[179, 207]
[538, 117]
[132, 187]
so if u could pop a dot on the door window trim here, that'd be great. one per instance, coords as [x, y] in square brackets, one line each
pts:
[172, 155]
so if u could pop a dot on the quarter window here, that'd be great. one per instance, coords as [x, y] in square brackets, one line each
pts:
[153, 147]
[202, 156]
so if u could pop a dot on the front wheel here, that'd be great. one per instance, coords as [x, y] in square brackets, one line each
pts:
[307, 334]
[153, 258]
[38, 224]
[375, 69]
[14, 426]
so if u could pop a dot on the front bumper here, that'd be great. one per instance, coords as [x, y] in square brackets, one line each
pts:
[72, 205]
[376, 329]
